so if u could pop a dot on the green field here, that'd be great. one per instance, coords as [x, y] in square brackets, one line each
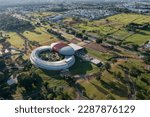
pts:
[99, 55]
[83, 67]
[115, 26]
[42, 14]
[39, 35]
[15, 40]
[97, 90]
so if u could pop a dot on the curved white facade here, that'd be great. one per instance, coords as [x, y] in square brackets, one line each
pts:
[67, 62]
[62, 48]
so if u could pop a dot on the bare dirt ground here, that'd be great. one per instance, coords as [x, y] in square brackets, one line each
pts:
[97, 47]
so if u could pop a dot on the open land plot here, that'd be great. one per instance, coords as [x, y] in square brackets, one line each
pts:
[39, 35]
[97, 47]
[134, 63]
[15, 40]
[93, 91]
[115, 26]
[54, 82]
[99, 55]
[139, 38]
[110, 87]
[1, 46]
[83, 67]
[68, 36]
[141, 82]
[75, 41]
[42, 14]
[101, 89]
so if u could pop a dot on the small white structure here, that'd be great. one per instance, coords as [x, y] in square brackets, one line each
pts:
[12, 80]
[147, 46]
[75, 47]
[6, 51]
[96, 61]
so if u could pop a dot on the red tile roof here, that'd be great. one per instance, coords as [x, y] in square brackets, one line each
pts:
[58, 46]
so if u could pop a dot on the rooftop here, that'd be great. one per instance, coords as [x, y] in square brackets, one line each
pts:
[75, 46]
[12, 80]
[95, 61]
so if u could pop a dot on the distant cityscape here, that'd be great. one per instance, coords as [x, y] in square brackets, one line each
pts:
[90, 11]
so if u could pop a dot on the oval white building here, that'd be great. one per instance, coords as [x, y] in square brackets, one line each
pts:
[61, 48]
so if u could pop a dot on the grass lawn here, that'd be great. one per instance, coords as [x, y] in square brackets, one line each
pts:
[97, 90]
[15, 40]
[115, 27]
[134, 63]
[42, 14]
[54, 80]
[139, 39]
[99, 55]
[83, 67]
[68, 36]
[109, 85]
[39, 35]
[93, 91]
[1, 46]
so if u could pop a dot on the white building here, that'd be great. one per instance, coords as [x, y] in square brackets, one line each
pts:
[12, 80]
[59, 47]
[147, 46]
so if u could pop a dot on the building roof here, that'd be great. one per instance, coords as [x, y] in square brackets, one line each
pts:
[75, 46]
[67, 51]
[95, 61]
[147, 45]
[62, 48]
[1, 38]
[12, 80]
[59, 46]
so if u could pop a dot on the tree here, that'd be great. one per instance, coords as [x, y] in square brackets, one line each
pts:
[107, 20]
[50, 96]
[67, 31]
[135, 72]
[98, 76]
[10, 23]
[79, 35]
[25, 81]
[135, 47]
[73, 32]
[99, 41]
[107, 66]
[5, 92]
[115, 74]
[85, 38]
[114, 61]
[119, 75]
[2, 64]
[1, 77]
[83, 31]
[147, 60]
